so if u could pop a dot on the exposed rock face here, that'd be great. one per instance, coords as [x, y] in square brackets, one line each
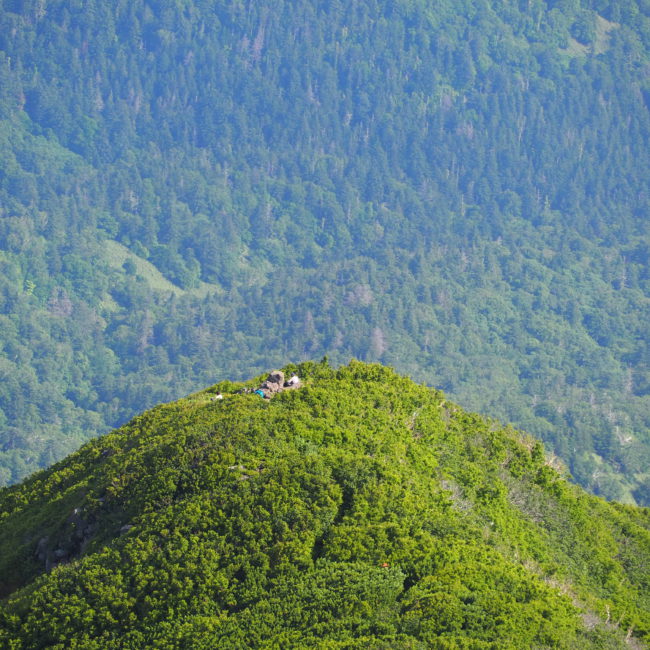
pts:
[70, 542]
[274, 383]
[276, 377]
[42, 552]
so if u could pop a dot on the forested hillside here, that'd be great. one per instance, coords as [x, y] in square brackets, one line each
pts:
[358, 511]
[191, 190]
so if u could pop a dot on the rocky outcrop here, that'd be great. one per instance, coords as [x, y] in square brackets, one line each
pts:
[273, 384]
[77, 531]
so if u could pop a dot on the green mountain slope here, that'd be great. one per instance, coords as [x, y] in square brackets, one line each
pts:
[456, 189]
[361, 510]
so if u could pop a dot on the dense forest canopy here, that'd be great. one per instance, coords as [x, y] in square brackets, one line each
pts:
[358, 511]
[194, 189]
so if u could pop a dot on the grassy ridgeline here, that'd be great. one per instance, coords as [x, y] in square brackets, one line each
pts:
[362, 510]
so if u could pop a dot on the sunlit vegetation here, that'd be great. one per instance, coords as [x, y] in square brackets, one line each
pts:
[200, 189]
[361, 510]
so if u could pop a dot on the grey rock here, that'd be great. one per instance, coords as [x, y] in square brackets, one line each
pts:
[276, 377]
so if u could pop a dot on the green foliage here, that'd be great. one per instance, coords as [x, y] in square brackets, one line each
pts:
[458, 191]
[361, 510]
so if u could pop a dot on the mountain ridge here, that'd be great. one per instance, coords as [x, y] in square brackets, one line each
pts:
[358, 509]
[445, 191]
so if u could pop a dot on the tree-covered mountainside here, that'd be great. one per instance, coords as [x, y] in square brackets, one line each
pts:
[457, 189]
[359, 511]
